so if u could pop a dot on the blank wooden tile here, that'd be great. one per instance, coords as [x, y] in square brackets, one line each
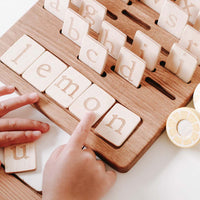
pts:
[130, 66]
[147, 49]
[44, 71]
[94, 54]
[93, 99]
[154, 4]
[197, 23]
[191, 7]
[190, 40]
[112, 38]
[20, 158]
[76, 3]
[75, 27]
[172, 18]
[181, 62]
[57, 7]
[22, 54]
[94, 12]
[117, 125]
[68, 86]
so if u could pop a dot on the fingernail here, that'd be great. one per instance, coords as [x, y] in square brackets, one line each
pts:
[11, 87]
[45, 127]
[33, 95]
[36, 133]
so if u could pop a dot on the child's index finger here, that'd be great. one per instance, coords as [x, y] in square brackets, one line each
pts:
[82, 130]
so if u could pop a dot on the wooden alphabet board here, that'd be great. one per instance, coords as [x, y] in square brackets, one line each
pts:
[160, 91]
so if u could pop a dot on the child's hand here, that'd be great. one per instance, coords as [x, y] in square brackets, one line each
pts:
[72, 173]
[17, 130]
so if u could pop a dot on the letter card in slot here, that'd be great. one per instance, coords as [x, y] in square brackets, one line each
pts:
[75, 27]
[94, 99]
[68, 86]
[94, 54]
[112, 38]
[22, 54]
[117, 125]
[154, 4]
[44, 71]
[172, 18]
[181, 62]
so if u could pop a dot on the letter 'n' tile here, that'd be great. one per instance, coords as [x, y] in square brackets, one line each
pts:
[117, 125]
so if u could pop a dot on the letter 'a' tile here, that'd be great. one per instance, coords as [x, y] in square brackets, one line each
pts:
[44, 71]
[190, 40]
[130, 66]
[75, 27]
[147, 49]
[172, 18]
[117, 125]
[93, 99]
[22, 54]
[154, 4]
[20, 158]
[112, 38]
[68, 86]
[93, 53]
[57, 7]
[181, 62]
[197, 22]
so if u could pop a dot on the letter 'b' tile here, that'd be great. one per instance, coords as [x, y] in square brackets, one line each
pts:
[117, 125]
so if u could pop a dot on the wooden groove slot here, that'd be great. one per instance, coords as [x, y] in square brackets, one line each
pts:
[111, 15]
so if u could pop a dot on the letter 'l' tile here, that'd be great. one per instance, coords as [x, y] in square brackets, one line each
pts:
[117, 125]
[93, 99]
[44, 71]
[154, 4]
[75, 27]
[93, 54]
[130, 66]
[68, 86]
[22, 54]
[57, 7]
[172, 18]
[181, 62]
[20, 158]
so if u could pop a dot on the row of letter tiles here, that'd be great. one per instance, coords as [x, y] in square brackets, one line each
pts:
[72, 90]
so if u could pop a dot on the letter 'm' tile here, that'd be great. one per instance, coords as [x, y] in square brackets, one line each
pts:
[22, 54]
[93, 99]
[147, 49]
[154, 4]
[20, 158]
[44, 71]
[75, 27]
[93, 53]
[181, 62]
[172, 18]
[190, 40]
[117, 125]
[57, 7]
[94, 12]
[130, 66]
[197, 22]
[112, 38]
[68, 86]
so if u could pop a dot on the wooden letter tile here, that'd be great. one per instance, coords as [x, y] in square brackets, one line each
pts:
[190, 40]
[93, 99]
[68, 86]
[22, 54]
[94, 13]
[112, 38]
[191, 7]
[146, 48]
[154, 4]
[130, 66]
[77, 3]
[57, 7]
[75, 27]
[197, 22]
[20, 158]
[93, 53]
[117, 125]
[172, 18]
[44, 71]
[181, 62]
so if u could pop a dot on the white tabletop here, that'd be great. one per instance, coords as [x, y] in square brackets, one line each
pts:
[165, 172]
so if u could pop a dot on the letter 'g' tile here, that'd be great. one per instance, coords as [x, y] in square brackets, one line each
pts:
[117, 125]
[22, 54]
[93, 99]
